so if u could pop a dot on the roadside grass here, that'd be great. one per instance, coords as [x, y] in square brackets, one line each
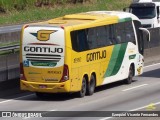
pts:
[34, 14]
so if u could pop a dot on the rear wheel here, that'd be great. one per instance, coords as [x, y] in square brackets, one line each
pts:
[130, 76]
[91, 85]
[82, 92]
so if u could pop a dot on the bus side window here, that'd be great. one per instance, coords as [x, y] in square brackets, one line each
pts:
[119, 33]
[112, 34]
[92, 38]
[119, 40]
[82, 40]
[79, 40]
[109, 35]
[103, 36]
[130, 37]
[74, 41]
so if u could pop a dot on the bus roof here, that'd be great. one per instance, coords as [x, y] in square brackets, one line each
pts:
[92, 17]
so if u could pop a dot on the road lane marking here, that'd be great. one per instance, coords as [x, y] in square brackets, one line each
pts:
[151, 65]
[136, 109]
[134, 87]
[158, 103]
[15, 98]
[6, 101]
[106, 118]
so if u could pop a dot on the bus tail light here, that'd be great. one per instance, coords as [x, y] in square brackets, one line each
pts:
[26, 26]
[22, 76]
[62, 27]
[65, 75]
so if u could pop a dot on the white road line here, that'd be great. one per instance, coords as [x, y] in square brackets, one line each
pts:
[106, 118]
[158, 103]
[136, 109]
[15, 98]
[6, 101]
[134, 87]
[151, 65]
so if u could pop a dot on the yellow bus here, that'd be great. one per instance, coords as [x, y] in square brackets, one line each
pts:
[78, 52]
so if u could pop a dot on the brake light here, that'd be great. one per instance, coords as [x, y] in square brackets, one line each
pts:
[26, 26]
[22, 76]
[65, 75]
[62, 27]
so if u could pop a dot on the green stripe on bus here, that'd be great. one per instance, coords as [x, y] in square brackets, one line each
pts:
[116, 59]
[119, 59]
[112, 61]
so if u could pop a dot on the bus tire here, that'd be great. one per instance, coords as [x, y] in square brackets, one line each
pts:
[82, 92]
[91, 85]
[130, 75]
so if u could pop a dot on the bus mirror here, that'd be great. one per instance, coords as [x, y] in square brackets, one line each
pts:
[158, 12]
[147, 33]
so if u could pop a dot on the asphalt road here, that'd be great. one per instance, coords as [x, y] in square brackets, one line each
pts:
[141, 95]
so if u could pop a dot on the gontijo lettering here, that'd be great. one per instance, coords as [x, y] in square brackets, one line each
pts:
[96, 56]
[43, 49]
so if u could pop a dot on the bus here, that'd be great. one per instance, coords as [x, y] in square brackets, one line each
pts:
[76, 53]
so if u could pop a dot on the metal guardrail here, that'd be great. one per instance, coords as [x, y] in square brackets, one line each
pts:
[155, 38]
[10, 47]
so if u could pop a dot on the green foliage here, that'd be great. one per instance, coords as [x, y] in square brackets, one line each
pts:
[24, 11]
[6, 4]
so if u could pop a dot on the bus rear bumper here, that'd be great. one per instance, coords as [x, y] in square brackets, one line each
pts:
[45, 87]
